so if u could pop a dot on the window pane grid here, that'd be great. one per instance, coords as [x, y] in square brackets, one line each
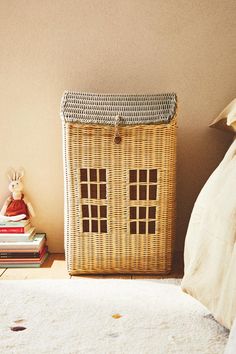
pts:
[148, 176]
[143, 188]
[143, 227]
[93, 187]
[142, 220]
[143, 176]
[90, 219]
[93, 190]
[142, 213]
[93, 183]
[143, 184]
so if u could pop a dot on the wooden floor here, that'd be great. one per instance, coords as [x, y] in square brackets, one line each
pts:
[55, 268]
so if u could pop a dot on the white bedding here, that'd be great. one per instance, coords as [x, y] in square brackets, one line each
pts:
[231, 345]
[210, 246]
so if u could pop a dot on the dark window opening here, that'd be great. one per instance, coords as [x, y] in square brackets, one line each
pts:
[93, 187]
[143, 184]
[142, 220]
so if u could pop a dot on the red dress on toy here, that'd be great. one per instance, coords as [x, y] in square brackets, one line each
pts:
[17, 207]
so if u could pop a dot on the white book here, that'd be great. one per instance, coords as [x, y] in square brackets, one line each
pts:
[21, 223]
[18, 237]
[33, 244]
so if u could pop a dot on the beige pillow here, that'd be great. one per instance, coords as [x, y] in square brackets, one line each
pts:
[227, 118]
[210, 247]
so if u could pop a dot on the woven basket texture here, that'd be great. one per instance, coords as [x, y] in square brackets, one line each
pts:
[119, 198]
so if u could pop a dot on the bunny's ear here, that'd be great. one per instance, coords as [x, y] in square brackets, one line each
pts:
[20, 173]
[11, 174]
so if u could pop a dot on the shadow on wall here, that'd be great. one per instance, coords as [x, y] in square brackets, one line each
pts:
[197, 169]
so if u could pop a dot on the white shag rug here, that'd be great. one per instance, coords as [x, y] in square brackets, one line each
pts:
[109, 316]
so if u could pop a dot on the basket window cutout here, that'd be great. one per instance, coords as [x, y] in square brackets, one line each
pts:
[94, 218]
[142, 220]
[143, 187]
[143, 184]
[93, 183]
[93, 186]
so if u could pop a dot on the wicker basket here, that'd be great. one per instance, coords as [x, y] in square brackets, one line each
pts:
[119, 167]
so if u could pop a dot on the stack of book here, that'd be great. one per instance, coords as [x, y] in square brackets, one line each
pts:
[20, 245]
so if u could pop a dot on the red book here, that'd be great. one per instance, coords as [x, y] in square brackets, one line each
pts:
[14, 229]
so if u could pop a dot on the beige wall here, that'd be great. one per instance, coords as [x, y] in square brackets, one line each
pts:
[135, 46]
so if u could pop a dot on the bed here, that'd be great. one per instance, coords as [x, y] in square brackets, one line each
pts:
[210, 245]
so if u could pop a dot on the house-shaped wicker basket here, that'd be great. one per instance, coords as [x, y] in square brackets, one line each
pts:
[119, 168]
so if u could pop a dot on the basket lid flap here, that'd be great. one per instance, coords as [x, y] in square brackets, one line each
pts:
[95, 108]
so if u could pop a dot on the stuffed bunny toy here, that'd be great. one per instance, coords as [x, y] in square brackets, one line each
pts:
[16, 207]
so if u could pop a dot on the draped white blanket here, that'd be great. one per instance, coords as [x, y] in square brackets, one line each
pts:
[210, 246]
[231, 345]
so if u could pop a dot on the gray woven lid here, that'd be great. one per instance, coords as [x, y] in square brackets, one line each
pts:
[94, 108]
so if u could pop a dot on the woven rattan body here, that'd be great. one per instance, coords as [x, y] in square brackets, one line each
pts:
[120, 198]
